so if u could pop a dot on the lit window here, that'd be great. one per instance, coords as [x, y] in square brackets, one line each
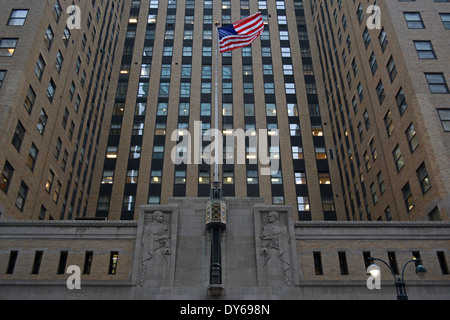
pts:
[7, 47]
[111, 152]
[113, 262]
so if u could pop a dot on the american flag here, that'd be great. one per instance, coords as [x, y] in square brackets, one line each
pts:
[241, 33]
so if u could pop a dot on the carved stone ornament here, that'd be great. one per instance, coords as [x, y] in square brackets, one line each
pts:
[155, 240]
[275, 243]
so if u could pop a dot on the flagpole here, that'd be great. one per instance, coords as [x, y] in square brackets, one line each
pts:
[216, 108]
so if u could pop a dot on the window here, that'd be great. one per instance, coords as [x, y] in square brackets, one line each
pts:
[392, 69]
[271, 109]
[32, 156]
[57, 148]
[48, 40]
[108, 177]
[324, 178]
[444, 115]
[88, 262]
[135, 152]
[156, 177]
[203, 177]
[21, 196]
[228, 177]
[37, 262]
[2, 77]
[57, 10]
[401, 101]
[436, 82]
[328, 204]
[62, 262]
[113, 262]
[424, 49]
[276, 178]
[180, 177]
[12, 261]
[300, 177]
[158, 152]
[17, 17]
[252, 177]
[373, 192]
[389, 123]
[343, 263]
[111, 152]
[408, 197]
[50, 178]
[42, 122]
[445, 18]
[19, 134]
[128, 202]
[51, 90]
[297, 152]
[132, 176]
[381, 183]
[393, 262]
[317, 263]
[103, 203]
[227, 109]
[423, 177]
[442, 262]
[380, 92]
[414, 20]
[398, 158]
[7, 47]
[412, 138]
[303, 203]
[6, 177]
[382, 38]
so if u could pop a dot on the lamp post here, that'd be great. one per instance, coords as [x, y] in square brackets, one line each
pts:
[399, 282]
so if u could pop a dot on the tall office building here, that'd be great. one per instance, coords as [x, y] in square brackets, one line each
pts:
[56, 70]
[167, 82]
[95, 106]
[385, 71]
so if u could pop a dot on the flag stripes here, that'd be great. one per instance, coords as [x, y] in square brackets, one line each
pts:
[241, 33]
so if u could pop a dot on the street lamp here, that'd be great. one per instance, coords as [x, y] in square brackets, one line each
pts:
[399, 282]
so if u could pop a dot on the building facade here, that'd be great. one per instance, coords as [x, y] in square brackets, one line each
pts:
[145, 69]
[56, 70]
[384, 73]
[165, 255]
[107, 118]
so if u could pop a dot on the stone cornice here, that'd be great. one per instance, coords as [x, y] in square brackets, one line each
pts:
[68, 223]
[373, 224]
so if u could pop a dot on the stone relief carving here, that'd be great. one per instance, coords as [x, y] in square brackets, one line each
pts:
[275, 243]
[156, 240]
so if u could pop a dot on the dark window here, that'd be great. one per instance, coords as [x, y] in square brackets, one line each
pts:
[88, 262]
[318, 263]
[442, 262]
[62, 262]
[12, 262]
[18, 136]
[343, 262]
[37, 262]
